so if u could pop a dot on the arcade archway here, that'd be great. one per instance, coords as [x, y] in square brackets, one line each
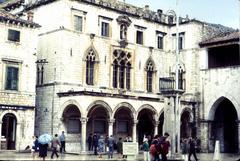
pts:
[145, 126]
[186, 125]
[224, 126]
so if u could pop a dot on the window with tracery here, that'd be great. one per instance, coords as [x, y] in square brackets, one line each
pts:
[90, 62]
[121, 69]
[149, 70]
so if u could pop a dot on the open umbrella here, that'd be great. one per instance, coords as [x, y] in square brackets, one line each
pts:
[44, 138]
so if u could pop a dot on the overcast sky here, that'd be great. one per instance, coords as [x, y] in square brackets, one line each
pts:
[225, 12]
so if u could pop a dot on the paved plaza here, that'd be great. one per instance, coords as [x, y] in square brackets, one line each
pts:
[11, 155]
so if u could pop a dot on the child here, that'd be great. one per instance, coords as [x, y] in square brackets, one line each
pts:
[145, 147]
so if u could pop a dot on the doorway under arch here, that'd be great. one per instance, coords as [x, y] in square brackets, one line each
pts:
[225, 127]
[186, 125]
[9, 127]
[145, 126]
[98, 118]
[123, 122]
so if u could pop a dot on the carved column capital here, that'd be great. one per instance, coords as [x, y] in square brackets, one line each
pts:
[83, 120]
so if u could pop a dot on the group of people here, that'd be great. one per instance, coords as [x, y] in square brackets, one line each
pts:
[41, 149]
[159, 147]
[100, 145]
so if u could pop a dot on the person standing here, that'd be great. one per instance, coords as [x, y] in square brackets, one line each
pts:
[192, 149]
[101, 143]
[90, 140]
[110, 144]
[120, 148]
[55, 144]
[165, 146]
[95, 143]
[145, 148]
[62, 140]
[184, 149]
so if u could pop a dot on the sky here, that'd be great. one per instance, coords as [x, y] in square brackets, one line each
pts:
[225, 12]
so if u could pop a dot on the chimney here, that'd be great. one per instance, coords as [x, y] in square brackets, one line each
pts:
[146, 7]
[30, 16]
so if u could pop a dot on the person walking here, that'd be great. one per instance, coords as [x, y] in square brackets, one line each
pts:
[192, 149]
[55, 144]
[120, 148]
[110, 144]
[145, 148]
[89, 141]
[62, 141]
[43, 151]
[33, 147]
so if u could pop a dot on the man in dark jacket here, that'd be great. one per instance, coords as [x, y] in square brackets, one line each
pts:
[192, 149]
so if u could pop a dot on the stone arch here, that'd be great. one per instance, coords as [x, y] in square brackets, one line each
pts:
[187, 109]
[214, 102]
[71, 102]
[127, 105]
[181, 66]
[150, 107]
[10, 112]
[103, 104]
[91, 49]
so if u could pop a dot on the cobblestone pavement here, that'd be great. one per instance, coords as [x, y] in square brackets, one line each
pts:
[11, 155]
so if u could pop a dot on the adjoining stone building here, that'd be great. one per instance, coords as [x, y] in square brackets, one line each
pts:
[108, 67]
[18, 44]
[220, 73]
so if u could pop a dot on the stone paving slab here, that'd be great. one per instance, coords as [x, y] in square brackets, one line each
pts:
[12, 156]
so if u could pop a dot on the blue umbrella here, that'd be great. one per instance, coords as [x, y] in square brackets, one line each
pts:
[44, 139]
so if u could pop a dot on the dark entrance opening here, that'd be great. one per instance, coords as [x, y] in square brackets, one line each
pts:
[225, 126]
[145, 125]
[123, 123]
[98, 121]
[185, 129]
[9, 131]
[160, 125]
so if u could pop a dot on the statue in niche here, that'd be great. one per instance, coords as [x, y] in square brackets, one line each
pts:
[123, 32]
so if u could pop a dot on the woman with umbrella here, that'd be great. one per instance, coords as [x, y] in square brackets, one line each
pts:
[43, 140]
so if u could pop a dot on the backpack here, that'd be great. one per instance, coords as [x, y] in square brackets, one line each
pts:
[153, 149]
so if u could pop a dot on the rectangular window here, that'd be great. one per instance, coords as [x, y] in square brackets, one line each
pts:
[105, 29]
[181, 40]
[78, 23]
[160, 42]
[11, 78]
[13, 35]
[139, 37]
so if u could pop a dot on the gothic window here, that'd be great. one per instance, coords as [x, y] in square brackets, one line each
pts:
[149, 70]
[121, 69]
[90, 61]
[180, 78]
[40, 70]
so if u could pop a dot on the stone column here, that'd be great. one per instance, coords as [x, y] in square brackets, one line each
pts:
[18, 137]
[110, 126]
[0, 133]
[84, 133]
[156, 128]
[134, 131]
